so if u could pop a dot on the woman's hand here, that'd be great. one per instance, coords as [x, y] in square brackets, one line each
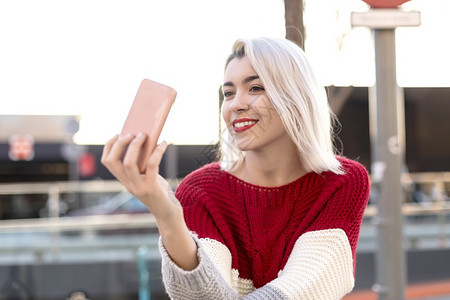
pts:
[154, 192]
[149, 187]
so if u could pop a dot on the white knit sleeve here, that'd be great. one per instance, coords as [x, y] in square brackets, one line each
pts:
[206, 281]
[319, 267]
[221, 258]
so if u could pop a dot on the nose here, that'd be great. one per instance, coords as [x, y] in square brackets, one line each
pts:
[239, 103]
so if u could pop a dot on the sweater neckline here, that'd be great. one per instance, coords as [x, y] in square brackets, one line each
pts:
[268, 188]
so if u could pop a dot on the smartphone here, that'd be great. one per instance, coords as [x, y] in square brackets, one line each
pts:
[147, 114]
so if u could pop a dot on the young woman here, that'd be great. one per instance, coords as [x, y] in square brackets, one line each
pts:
[279, 218]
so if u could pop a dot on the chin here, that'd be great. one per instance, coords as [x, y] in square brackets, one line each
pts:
[245, 145]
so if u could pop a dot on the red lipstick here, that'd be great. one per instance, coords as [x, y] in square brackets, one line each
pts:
[243, 124]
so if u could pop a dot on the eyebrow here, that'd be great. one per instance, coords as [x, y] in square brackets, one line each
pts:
[246, 80]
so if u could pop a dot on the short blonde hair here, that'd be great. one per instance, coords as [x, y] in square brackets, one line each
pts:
[296, 95]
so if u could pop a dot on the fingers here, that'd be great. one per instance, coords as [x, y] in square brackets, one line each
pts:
[107, 148]
[125, 167]
[112, 152]
[130, 161]
[112, 156]
[155, 158]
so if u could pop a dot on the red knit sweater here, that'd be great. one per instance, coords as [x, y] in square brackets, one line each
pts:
[260, 225]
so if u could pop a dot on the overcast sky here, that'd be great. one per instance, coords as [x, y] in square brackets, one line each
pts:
[87, 57]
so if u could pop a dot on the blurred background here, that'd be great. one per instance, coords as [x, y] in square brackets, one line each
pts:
[69, 71]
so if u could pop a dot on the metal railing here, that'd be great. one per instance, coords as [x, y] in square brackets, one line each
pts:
[439, 203]
[54, 190]
[50, 241]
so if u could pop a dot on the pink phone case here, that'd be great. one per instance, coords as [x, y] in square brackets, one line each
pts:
[147, 114]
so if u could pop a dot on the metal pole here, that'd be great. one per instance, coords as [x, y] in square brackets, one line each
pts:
[144, 275]
[386, 115]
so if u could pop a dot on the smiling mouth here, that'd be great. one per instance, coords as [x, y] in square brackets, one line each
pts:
[243, 124]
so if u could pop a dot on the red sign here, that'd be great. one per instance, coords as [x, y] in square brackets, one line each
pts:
[21, 147]
[385, 3]
[87, 165]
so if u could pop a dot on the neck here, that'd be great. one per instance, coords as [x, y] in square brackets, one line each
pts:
[266, 169]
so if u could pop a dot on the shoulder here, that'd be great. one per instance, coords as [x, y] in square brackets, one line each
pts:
[204, 179]
[354, 182]
[353, 169]
[206, 173]
[354, 172]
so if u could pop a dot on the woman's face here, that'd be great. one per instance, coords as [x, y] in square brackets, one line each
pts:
[247, 110]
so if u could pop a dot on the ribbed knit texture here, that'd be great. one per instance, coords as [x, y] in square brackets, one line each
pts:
[260, 225]
[319, 267]
[204, 282]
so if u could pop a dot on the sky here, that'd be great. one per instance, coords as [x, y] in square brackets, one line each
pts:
[87, 57]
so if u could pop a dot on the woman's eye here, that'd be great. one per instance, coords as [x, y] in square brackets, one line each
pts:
[227, 94]
[256, 88]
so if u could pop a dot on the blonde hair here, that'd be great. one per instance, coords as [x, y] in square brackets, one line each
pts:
[296, 95]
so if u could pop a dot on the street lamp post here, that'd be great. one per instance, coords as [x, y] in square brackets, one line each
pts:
[386, 109]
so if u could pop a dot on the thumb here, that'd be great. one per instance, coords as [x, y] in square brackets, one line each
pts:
[156, 156]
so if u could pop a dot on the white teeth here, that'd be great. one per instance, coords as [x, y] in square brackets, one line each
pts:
[242, 124]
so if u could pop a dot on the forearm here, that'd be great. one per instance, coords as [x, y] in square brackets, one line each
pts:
[203, 282]
[320, 267]
[177, 240]
[154, 191]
